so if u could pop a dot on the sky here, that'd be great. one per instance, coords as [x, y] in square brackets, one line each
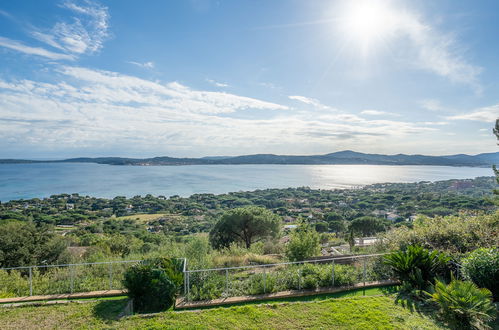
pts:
[202, 78]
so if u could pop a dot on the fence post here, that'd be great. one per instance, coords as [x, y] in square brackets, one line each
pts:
[364, 275]
[226, 282]
[332, 275]
[110, 276]
[71, 278]
[299, 279]
[185, 283]
[264, 280]
[188, 289]
[30, 281]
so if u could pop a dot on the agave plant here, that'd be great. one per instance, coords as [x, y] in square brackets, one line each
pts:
[417, 267]
[464, 305]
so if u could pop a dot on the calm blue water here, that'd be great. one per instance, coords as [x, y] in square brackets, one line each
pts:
[42, 180]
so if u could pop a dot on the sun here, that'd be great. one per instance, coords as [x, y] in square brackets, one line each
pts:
[367, 23]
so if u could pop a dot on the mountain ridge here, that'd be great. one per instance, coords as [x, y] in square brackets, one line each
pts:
[345, 157]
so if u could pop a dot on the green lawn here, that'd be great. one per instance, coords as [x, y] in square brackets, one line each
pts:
[378, 312]
[145, 218]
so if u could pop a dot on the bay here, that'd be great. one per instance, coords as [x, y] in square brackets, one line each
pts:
[23, 181]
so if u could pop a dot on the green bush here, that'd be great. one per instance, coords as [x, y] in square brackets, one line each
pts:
[304, 243]
[463, 305]
[154, 283]
[453, 234]
[482, 268]
[206, 286]
[417, 267]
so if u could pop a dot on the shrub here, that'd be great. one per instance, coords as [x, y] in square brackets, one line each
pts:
[206, 286]
[154, 283]
[452, 234]
[482, 268]
[304, 243]
[463, 305]
[417, 267]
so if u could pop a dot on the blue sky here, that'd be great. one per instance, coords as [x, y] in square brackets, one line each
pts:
[198, 78]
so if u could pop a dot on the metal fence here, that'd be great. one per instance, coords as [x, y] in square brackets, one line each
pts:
[60, 279]
[199, 284]
[213, 283]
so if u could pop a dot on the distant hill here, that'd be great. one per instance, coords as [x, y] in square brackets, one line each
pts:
[346, 157]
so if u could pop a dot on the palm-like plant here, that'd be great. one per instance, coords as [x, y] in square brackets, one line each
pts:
[464, 305]
[417, 267]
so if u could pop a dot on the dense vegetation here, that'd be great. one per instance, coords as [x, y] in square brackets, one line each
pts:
[102, 229]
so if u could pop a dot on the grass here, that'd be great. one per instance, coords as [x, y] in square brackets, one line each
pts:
[368, 292]
[143, 218]
[378, 312]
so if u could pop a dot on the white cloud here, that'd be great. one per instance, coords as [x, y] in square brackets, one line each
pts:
[216, 83]
[20, 47]
[96, 109]
[307, 100]
[87, 32]
[84, 34]
[378, 113]
[436, 123]
[147, 65]
[437, 51]
[486, 114]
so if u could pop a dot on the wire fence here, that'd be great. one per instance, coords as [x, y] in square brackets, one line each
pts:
[214, 283]
[61, 279]
[199, 284]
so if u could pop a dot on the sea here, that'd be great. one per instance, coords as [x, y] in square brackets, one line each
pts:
[24, 181]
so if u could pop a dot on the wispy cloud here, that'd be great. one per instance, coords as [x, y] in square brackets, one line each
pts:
[486, 114]
[5, 14]
[416, 41]
[147, 65]
[216, 83]
[20, 47]
[436, 123]
[438, 52]
[432, 105]
[85, 33]
[308, 100]
[378, 113]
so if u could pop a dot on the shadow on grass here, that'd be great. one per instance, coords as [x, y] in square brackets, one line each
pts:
[390, 290]
[416, 304]
[109, 310]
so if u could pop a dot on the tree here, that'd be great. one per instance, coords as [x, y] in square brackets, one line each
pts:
[321, 226]
[333, 216]
[304, 243]
[351, 240]
[366, 225]
[23, 244]
[246, 224]
[337, 226]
